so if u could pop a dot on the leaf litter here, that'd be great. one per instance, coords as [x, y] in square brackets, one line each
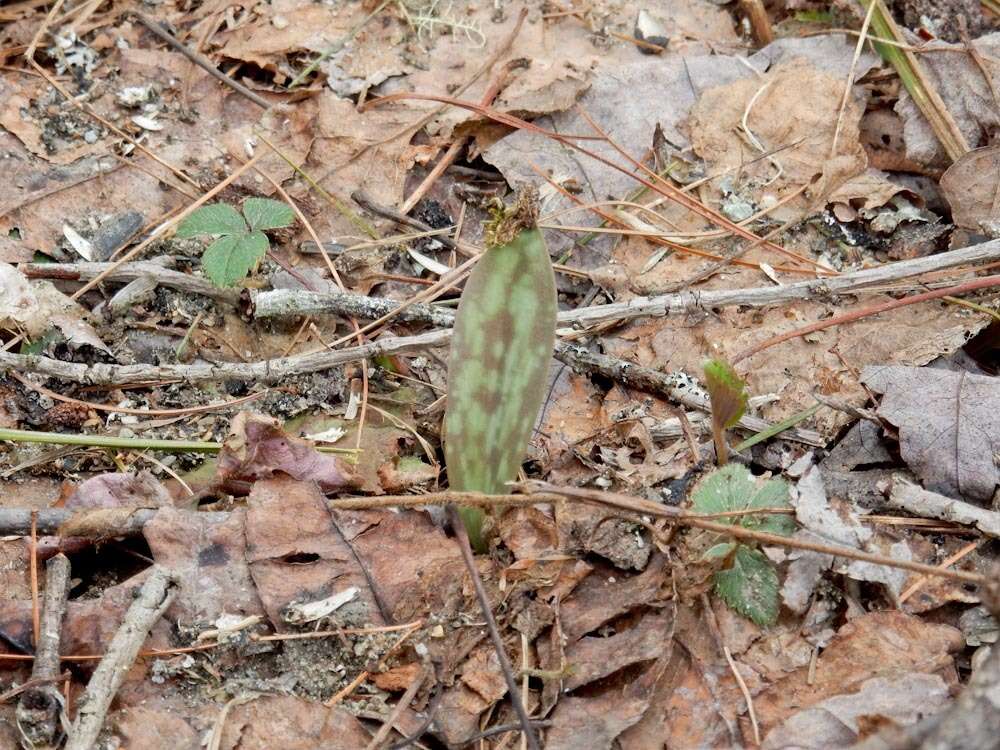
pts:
[300, 621]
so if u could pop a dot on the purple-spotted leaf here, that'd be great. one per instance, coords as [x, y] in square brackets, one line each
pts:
[729, 402]
[497, 373]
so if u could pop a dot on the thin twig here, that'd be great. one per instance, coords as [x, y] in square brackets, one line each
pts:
[201, 61]
[401, 705]
[648, 507]
[968, 286]
[508, 673]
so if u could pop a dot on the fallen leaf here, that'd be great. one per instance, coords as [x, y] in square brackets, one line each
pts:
[878, 644]
[949, 426]
[594, 657]
[970, 185]
[291, 723]
[258, 448]
[296, 553]
[209, 557]
[37, 306]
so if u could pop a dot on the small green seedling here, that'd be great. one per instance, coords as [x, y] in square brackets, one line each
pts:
[499, 362]
[240, 243]
[729, 402]
[749, 584]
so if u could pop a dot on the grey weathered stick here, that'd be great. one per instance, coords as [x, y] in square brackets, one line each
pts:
[668, 304]
[39, 708]
[130, 272]
[154, 598]
[296, 302]
[905, 495]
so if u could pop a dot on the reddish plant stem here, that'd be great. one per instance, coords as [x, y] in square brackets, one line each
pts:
[952, 291]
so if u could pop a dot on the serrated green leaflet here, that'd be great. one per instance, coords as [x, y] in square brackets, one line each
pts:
[217, 218]
[264, 213]
[231, 257]
[732, 488]
[500, 355]
[750, 586]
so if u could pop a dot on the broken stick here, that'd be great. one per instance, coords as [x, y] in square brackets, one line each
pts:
[154, 598]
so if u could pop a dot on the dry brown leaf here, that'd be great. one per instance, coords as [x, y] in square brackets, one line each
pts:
[209, 557]
[606, 593]
[949, 426]
[296, 553]
[970, 187]
[291, 723]
[878, 644]
[36, 306]
[794, 108]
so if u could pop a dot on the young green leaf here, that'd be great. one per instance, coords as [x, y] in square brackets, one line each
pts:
[728, 395]
[750, 586]
[497, 372]
[733, 488]
[216, 218]
[231, 257]
[719, 551]
[264, 213]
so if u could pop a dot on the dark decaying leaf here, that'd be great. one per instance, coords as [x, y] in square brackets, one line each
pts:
[500, 356]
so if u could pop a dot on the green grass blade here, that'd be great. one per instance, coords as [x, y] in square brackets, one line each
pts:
[497, 373]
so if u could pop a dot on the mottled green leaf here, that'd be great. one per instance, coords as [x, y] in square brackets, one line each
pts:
[750, 586]
[217, 218]
[733, 488]
[497, 373]
[230, 258]
[264, 213]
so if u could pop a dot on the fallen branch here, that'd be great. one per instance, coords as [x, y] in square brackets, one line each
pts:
[40, 707]
[130, 272]
[66, 523]
[155, 596]
[297, 302]
[905, 495]
[664, 305]
[650, 508]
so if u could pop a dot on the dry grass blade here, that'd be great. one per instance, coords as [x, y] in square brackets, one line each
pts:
[925, 96]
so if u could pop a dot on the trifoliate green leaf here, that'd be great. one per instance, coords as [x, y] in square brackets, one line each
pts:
[733, 488]
[264, 213]
[726, 391]
[217, 218]
[750, 586]
[230, 258]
